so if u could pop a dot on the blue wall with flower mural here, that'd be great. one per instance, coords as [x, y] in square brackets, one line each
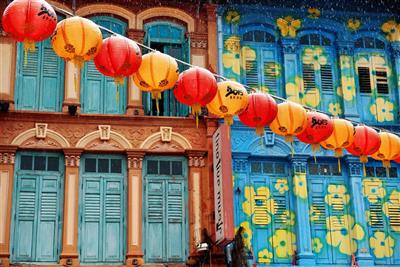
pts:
[297, 207]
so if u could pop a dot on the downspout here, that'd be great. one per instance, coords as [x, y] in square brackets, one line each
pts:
[220, 43]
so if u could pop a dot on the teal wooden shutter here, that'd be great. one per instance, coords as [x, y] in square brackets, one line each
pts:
[252, 73]
[270, 70]
[92, 90]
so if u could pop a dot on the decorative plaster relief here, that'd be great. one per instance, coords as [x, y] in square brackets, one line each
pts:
[166, 134]
[104, 131]
[41, 130]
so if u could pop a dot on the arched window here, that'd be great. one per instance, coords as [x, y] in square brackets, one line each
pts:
[318, 71]
[169, 38]
[261, 61]
[99, 93]
[373, 80]
[39, 84]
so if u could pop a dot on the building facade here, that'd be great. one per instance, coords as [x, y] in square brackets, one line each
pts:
[296, 207]
[89, 173]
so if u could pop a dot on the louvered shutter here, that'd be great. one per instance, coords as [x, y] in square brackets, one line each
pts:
[326, 78]
[308, 77]
[24, 224]
[382, 86]
[113, 246]
[252, 75]
[175, 221]
[364, 80]
[155, 233]
[48, 220]
[91, 230]
[92, 89]
[270, 70]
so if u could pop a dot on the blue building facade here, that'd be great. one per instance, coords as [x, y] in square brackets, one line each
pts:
[297, 207]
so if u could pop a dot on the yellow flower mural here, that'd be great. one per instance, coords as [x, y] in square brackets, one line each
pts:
[348, 88]
[353, 24]
[314, 56]
[316, 213]
[381, 245]
[231, 56]
[273, 69]
[314, 13]
[300, 185]
[258, 204]
[288, 26]
[283, 242]
[247, 234]
[392, 30]
[265, 256]
[382, 110]
[392, 207]
[290, 218]
[281, 185]
[295, 92]
[345, 62]
[232, 17]
[337, 196]
[373, 189]
[316, 245]
[343, 233]
[334, 109]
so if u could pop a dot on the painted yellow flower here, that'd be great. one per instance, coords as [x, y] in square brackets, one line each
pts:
[272, 69]
[343, 233]
[258, 204]
[264, 89]
[288, 26]
[392, 207]
[300, 185]
[316, 245]
[249, 57]
[314, 13]
[337, 196]
[392, 29]
[247, 234]
[284, 243]
[314, 56]
[295, 92]
[348, 88]
[231, 56]
[281, 186]
[381, 245]
[265, 256]
[232, 16]
[373, 189]
[345, 62]
[334, 109]
[353, 24]
[382, 110]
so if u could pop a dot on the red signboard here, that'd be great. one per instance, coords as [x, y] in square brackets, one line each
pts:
[223, 195]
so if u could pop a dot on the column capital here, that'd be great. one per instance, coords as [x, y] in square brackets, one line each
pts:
[7, 154]
[72, 157]
[289, 45]
[355, 166]
[240, 162]
[198, 40]
[196, 158]
[135, 159]
[345, 48]
[299, 162]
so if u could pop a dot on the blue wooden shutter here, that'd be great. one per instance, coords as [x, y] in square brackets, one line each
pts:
[270, 70]
[252, 74]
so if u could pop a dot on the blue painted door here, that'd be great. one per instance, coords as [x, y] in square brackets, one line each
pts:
[263, 208]
[381, 191]
[99, 93]
[165, 210]
[40, 80]
[331, 221]
[168, 38]
[36, 227]
[102, 210]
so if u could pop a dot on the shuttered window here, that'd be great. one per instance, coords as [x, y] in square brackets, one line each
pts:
[364, 80]
[372, 74]
[309, 76]
[326, 78]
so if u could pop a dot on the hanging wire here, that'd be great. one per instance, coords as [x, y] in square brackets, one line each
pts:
[250, 89]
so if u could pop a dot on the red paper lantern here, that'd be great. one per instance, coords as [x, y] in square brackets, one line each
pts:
[29, 21]
[397, 160]
[319, 127]
[366, 142]
[196, 87]
[260, 112]
[119, 57]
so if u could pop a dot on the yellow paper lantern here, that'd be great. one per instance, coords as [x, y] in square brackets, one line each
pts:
[389, 148]
[157, 72]
[341, 137]
[230, 100]
[77, 39]
[290, 121]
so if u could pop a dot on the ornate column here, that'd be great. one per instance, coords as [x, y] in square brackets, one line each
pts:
[7, 157]
[134, 254]
[347, 80]
[363, 256]
[196, 167]
[212, 35]
[7, 71]
[135, 106]
[72, 87]
[396, 57]
[304, 254]
[69, 254]
[290, 60]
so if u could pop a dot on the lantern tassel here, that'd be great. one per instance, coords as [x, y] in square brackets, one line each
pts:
[228, 120]
[29, 46]
[339, 167]
[119, 80]
[156, 95]
[196, 109]
[117, 95]
[363, 160]
[260, 131]
[315, 148]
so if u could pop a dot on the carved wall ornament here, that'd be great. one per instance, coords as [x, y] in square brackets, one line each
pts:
[166, 134]
[135, 162]
[41, 130]
[72, 160]
[104, 131]
[198, 44]
[7, 158]
[196, 161]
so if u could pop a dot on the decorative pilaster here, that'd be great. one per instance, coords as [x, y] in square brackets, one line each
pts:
[363, 256]
[134, 255]
[290, 60]
[7, 71]
[396, 58]
[69, 254]
[7, 158]
[347, 80]
[198, 49]
[304, 254]
[72, 87]
[196, 166]
[212, 35]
